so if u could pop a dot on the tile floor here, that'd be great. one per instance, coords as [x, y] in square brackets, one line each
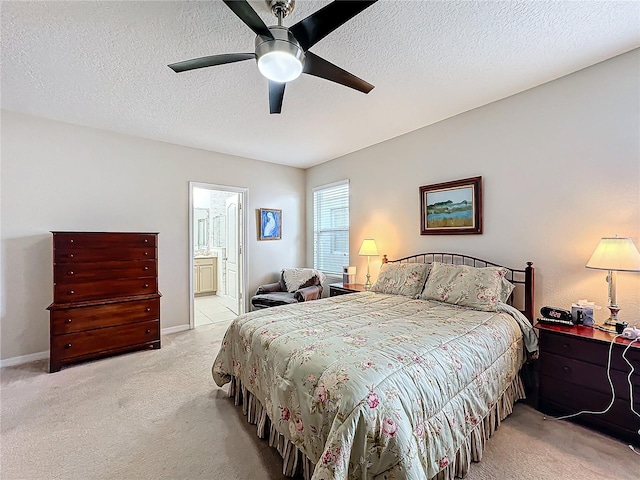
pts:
[209, 309]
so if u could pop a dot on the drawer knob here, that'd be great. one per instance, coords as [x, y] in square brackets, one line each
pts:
[71, 240]
[146, 254]
[68, 320]
[71, 255]
[566, 346]
[146, 285]
[148, 330]
[148, 309]
[146, 240]
[146, 268]
[68, 345]
[565, 368]
[71, 292]
[71, 272]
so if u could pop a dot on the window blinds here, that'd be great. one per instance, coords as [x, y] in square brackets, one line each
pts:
[331, 227]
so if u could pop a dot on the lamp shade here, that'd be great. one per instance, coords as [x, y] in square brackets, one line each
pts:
[613, 253]
[369, 248]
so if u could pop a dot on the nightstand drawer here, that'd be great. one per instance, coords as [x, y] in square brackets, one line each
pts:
[334, 292]
[580, 348]
[336, 289]
[583, 373]
[567, 398]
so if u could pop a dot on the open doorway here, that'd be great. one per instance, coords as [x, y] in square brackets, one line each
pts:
[216, 239]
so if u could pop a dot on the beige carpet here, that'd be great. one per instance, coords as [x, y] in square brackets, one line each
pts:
[158, 414]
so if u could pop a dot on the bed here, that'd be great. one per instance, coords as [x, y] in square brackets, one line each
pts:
[406, 381]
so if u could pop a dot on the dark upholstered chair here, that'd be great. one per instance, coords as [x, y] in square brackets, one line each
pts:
[306, 285]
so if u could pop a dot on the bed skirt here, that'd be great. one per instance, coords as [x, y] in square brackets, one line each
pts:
[296, 463]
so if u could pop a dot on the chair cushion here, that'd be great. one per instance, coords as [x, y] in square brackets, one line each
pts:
[273, 299]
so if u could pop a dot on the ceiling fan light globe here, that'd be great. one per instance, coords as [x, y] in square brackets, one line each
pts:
[280, 66]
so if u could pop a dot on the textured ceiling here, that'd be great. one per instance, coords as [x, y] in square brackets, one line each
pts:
[103, 64]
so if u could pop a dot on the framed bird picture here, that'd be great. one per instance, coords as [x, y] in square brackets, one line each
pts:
[270, 224]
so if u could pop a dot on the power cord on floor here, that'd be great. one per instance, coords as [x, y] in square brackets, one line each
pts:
[631, 386]
[613, 392]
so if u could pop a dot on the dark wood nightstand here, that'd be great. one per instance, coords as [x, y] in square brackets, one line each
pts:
[343, 288]
[573, 377]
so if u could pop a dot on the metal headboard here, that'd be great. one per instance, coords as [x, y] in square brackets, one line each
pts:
[523, 279]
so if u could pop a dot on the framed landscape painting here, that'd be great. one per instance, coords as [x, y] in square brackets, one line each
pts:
[451, 208]
[270, 224]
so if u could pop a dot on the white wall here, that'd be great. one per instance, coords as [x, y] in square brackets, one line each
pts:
[561, 169]
[57, 176]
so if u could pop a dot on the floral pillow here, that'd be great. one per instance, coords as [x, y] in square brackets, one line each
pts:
[401, 279]
[479, 288]
[505, 290]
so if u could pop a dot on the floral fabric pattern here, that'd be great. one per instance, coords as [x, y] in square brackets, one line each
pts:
[368, 383]
[506, 287]
[478, 288]
[401, 279]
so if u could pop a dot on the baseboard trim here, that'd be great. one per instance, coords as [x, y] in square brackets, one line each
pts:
[32, 357]
[179, 328]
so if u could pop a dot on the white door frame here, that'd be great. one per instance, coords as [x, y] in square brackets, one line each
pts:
[242, 236]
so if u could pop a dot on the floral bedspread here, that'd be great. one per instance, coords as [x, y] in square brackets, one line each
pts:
[369, 383]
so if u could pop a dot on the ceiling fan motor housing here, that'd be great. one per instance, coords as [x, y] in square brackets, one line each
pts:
[280, 59]
[281, 7]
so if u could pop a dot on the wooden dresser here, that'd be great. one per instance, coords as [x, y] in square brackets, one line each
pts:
[105, 295]
[573, 377]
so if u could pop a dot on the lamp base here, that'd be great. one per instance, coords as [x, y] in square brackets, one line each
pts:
[609, 324]
[367, 284]
[613, 318]
[605, 327]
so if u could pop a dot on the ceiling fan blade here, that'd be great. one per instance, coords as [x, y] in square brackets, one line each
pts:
[276, 94]
[318, 25]
[319, 67]
[210, 61]
[249, 16]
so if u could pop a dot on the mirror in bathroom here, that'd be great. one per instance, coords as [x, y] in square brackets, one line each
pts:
[201, 228]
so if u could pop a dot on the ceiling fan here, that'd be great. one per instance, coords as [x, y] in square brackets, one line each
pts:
[283, 53]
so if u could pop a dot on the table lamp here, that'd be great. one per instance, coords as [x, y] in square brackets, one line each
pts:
[369, 249]
[615, 255]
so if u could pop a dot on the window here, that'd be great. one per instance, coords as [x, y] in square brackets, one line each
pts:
[331, 227]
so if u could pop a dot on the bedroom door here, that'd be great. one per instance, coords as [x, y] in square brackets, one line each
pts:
[232, 261]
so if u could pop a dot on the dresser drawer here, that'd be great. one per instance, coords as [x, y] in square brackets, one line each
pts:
[103, 339]
[102, 240]
[74, 255]
[70, 320]
[587, 350]
[82, 272]
[590, 376]
[68, 293]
